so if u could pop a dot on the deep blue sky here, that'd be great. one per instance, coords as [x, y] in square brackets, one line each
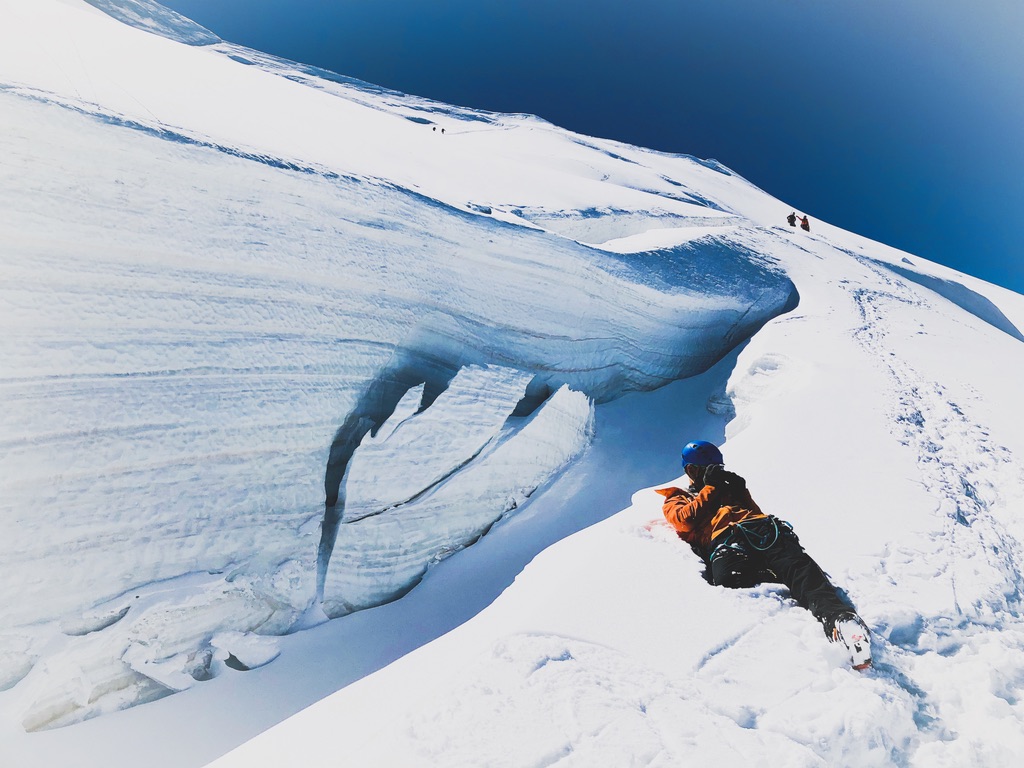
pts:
[902, 120]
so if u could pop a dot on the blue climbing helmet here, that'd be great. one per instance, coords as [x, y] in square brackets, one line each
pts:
[702, 452]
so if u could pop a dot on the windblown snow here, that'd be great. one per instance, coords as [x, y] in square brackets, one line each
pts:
[314, 389]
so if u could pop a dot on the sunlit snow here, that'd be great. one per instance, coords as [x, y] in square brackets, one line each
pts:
[309, 402]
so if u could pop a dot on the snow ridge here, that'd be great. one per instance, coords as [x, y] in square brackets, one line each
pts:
[151, 16]
[155, 368]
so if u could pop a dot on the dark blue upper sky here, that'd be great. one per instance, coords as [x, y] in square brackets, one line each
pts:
[902, 120]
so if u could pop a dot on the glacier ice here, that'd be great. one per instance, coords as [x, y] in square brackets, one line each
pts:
[431, 445]
[224, 361]
[178, 388]
[382, 551]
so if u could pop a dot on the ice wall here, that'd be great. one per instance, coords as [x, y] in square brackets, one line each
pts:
[240, 379]
[432, 483]
[186, 340]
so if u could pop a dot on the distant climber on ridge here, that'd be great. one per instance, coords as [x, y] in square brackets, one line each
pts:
[743, 547]
[792, 219]
[805, 224]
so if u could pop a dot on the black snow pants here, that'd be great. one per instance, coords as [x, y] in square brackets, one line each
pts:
[768, 550]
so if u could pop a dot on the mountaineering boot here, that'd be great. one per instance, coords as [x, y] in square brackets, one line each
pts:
[853, 633]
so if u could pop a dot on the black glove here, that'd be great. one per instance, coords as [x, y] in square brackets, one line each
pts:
[718, 476]
[713, 474]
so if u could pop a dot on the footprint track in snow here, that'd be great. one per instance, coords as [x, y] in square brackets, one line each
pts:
[940, 651]
[960, 465]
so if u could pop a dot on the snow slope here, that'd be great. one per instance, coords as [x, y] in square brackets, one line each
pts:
[279, 348]
[211, 325]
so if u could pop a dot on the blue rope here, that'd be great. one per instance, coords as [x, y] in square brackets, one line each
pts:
[760, 544]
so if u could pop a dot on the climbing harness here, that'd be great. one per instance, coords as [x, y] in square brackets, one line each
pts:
[759, 541]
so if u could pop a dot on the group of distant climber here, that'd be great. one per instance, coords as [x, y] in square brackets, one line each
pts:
[805, 223]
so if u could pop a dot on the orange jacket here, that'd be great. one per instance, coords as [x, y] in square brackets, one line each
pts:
[703, 517]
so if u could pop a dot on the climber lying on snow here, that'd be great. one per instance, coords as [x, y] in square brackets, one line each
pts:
[744, 547]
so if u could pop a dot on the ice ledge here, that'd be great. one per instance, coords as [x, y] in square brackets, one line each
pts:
[500, 461]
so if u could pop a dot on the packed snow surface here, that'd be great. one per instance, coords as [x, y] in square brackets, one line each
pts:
[282, 347]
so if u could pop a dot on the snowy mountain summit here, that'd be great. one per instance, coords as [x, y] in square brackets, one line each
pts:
[321, 394]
